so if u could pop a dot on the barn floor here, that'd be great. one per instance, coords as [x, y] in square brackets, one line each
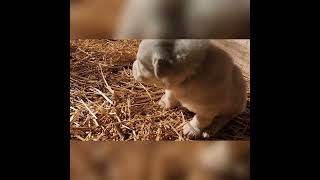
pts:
[107, 104]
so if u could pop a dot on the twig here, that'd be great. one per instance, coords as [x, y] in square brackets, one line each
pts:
[108, 87]
[105, 97]
[147, 92]
[94, 116]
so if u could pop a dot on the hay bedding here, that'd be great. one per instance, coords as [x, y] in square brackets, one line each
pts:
[107, 104]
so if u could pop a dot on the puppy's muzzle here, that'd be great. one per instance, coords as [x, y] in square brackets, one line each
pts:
[137, 72]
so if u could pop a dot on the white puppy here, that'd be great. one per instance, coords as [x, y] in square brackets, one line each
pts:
[199, 75]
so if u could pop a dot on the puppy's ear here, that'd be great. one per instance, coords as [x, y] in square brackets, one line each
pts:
[164, 71]
[162, 67]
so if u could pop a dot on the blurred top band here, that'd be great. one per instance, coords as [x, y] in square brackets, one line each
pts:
[146, 19]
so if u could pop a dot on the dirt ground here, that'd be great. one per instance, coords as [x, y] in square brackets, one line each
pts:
[107, 104]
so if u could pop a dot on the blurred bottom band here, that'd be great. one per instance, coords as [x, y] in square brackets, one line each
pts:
[217, 160]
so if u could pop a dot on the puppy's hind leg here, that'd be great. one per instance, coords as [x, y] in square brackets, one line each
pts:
[217, 124]
[195, 127]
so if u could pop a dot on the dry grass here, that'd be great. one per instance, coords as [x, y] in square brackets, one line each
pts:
[107, 104]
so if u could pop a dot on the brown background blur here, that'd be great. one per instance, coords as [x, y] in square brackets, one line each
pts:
[94, 18]
[100, 19]
[224, 160]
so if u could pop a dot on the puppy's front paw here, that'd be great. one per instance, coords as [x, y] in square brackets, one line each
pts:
[191, 131]
[167, 103]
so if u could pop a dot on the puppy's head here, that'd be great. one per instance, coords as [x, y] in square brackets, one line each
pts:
[156, 63]
[169, 63]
